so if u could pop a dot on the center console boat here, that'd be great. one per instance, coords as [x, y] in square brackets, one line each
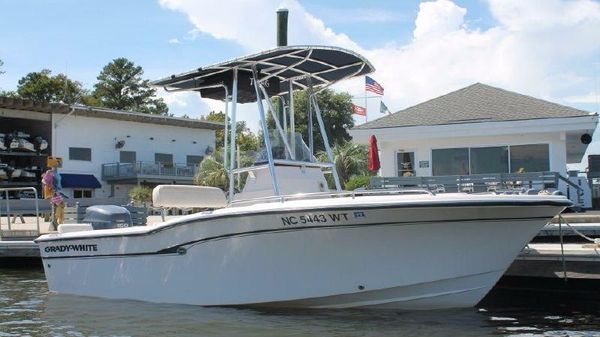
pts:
[285, 239]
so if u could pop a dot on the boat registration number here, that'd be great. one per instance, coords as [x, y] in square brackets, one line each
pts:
[313, 218]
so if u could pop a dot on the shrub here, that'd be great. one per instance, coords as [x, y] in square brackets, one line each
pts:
[141, 194]
[357, 182]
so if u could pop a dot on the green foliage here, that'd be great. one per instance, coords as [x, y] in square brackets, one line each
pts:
[1, 64]
[121, 86]
[350, 159]
[141, 194]
[245, 138]
[42, 86]
[211, 173]
[12, 94]
[357, 182]
[336, 109]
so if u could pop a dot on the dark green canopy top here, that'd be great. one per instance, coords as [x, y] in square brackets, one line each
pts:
[276, 67]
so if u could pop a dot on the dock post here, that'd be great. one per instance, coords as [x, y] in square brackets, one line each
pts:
[7, 208]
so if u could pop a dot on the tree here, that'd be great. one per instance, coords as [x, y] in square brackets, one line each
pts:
[141, 194]
[1, 64]
[42, 86]
[336, 109]
[245, 138]
[121, 86]
[212, 173]
[350, 159]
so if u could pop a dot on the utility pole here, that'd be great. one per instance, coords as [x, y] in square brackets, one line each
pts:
[282, 40]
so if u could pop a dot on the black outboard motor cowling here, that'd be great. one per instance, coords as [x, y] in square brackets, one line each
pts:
[107, 216]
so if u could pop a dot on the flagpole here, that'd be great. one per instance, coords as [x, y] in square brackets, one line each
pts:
[366, 110]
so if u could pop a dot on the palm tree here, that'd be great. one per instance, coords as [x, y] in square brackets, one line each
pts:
[349, 158]
[211, 173]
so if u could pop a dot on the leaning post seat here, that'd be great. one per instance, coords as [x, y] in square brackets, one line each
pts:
[181, 196]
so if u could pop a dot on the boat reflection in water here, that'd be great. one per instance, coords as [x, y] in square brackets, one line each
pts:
[94, 316]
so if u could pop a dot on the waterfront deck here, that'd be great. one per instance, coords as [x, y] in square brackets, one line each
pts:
[148, 172]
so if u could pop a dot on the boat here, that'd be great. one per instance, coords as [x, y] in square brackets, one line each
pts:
[3, 146]
[285, 239]
[19, 142]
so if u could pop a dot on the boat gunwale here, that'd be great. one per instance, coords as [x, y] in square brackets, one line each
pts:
[373, 206]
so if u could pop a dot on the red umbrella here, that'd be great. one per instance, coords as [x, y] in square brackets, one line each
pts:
[374, 164]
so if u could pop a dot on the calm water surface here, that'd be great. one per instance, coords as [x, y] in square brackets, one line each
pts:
[27, 309]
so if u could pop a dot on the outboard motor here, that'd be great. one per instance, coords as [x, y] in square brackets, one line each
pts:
[107, 216]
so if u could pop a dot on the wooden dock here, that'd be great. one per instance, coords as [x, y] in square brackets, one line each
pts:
[579, 261]
[20, 254]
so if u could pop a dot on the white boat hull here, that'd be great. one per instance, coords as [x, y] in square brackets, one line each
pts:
[411, 258]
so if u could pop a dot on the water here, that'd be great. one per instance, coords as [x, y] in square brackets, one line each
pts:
[27, 309]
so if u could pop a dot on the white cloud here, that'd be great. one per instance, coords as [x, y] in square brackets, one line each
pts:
[537, 47]
[174, 40]
[251, 23]
[438, 18]
[185, 103]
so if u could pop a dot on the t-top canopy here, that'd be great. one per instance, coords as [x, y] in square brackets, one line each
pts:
[275, 68]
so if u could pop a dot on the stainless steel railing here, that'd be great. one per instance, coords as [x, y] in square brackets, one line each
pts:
[5, 192]
[322, 195]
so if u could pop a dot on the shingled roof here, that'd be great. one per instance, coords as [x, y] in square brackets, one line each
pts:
[474, 104]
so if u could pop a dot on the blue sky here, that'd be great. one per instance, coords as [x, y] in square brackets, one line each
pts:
[80, 37]
[546, 48]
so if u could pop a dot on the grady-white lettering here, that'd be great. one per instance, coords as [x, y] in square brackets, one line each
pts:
[71, 248]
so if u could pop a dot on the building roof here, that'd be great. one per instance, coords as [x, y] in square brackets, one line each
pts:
[87, 111]
[476, 103]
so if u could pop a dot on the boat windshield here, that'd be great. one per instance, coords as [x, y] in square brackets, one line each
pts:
[290, 148]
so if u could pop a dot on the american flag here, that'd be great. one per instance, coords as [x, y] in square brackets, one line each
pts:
[359, 110]
[373, 86]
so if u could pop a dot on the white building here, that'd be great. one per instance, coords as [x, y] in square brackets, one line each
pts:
[106, 152]
[479, 130]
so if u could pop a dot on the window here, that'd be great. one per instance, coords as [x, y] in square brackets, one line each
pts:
[82, 194]
[489, 159]
[450, 161]
[127, 157]
[165, 158]
[80, 153]
[194, 160]
[530, 158]
[405, 163]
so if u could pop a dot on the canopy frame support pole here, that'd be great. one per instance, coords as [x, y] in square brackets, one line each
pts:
[311, 143]
[292, 122]
[313, 98]
[274, 115]
[263, 122]
[226, 129]
[233, 134]
[285, 123]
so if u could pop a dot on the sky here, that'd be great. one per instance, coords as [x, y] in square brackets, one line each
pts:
[549, 49]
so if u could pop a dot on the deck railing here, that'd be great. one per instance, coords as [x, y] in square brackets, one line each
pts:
[7, 210]
[140, 168]
[494, 182]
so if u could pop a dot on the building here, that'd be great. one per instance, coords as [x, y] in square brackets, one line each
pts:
[106, 152]
[479, 129]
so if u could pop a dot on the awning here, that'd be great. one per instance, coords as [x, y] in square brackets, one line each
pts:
[71, 180]
[276, 67]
